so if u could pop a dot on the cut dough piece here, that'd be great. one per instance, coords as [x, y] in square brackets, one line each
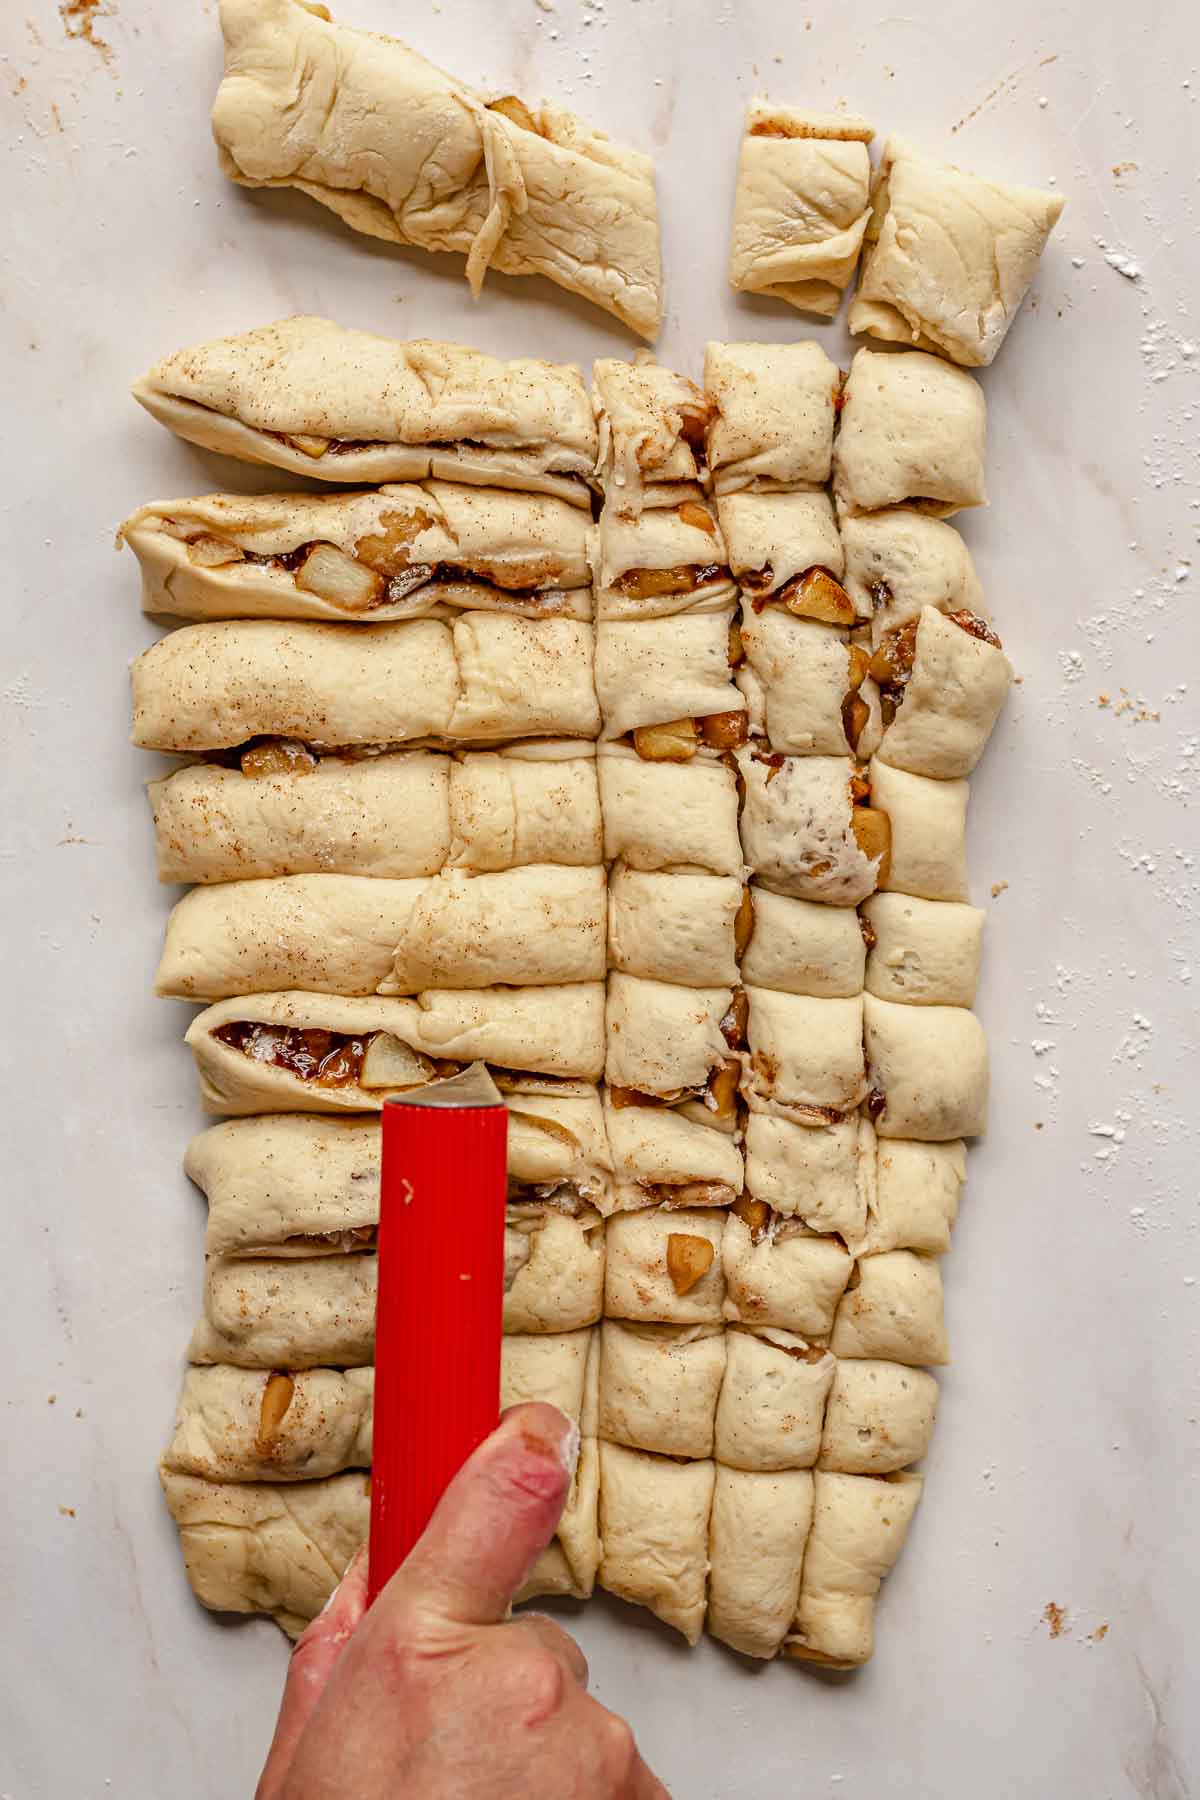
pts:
[879, 1418]
[772, 1403]
[899, 561]
[915, 1203]
[524, 678]
[659, 1386]
[258, 1547]
[654, 1517]
[651, 424]
[775, 407]
[665, 1040]
[319, 400]
[568, 1564]
[263, 1313]
[542, 926]
[651, 671]
[533, 803]
[949, 256]
[893, 1310]
[760, 1525]
[558, 1259]
[403, 152]
[550, 1367]
[672, 816]
[662, 561]
[820, 1175]
[396, 553]
[928, 1071]
[798, 828]
[802, 205]
[240, 1425]
[784, 1276]
[815, 700]
[911, 434]
[543, 1031]
[926, 952]
[661, 1158]
[385, 816]
[951, 699]
[557, 1149]
[801, 947]
[288, 1184]
[929, 833]
[774, 538]
[804, 1057]
[660, 1270]
[859, 1527]
[673, 927]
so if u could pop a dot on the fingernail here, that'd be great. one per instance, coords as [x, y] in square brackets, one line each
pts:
[564, 1447]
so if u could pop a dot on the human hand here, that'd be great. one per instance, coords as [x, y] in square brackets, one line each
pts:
[431, 1695]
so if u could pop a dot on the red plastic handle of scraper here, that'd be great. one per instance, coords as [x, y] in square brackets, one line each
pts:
[438, 1313]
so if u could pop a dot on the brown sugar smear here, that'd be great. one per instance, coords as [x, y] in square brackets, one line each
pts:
[79, 21]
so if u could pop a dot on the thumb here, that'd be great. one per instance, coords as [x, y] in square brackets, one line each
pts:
[492, 1522]
[313, 1659]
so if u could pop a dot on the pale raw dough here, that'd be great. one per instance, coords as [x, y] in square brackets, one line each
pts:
[772, 1403]
[899, 561]
[911, 433]
[681, 816]
[523, 678]
[859, 1527]
[295, 394]
[879, 1418]
[773, 537]
[242, 1425]
[549, 1031]
[651, 424]
[796, 828]
[288, 1184]
[801, 947]
[559, 1285]
[260, 1313]
[673, 927]
[930, 1064]
[557, 1142]
[949, 257]
[893, 1310]
[801, 207]
[541, 926]
[916, 1197]
[775, 409]
[654, 1517]
[651, 671]
[535, 803]
[822, 1175]
[659, 1386]
[929, 826]
[951, 701]
[679, 546]
[803, 672]
[567, 1566]
[664, 1040]
[788, 1277]
[637, 1282]
[760, 1525]
[926, 952]
[550, 1367]
[659, 1157]
[804, 1057]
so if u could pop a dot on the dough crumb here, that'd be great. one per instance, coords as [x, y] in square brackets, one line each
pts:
[998, 888]
[1055, 1617]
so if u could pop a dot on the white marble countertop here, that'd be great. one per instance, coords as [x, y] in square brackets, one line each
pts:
[1066, 1458]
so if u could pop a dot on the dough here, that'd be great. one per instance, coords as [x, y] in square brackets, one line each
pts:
[262, 1313]
[900, 561]
[950, 702]
[801, 206]
[775, 407]
[548, 1031]
[662, 561]
[557, 1149]
[664, 1040]
[524, 678]
[675, 816]
[771, 538]
[806, 674]
[551, 1367]
[270, 1548]
[821, 1175]
[651, 424]
[801, 947]
[535, 803]
[673, 927]
[772, 1404]
[893, 1309]
[562, 1370]
[240, 1425]
[930, 1065]
[559, 1285]
[784, 1277]
[540, 926]
[949, 257]
[926, 952]
[798, 830]
[760, 1524]
[929, 825]
[650, 671]
[661, 1158]
[396, 553]
[638, 1281]
[385, 816]
[403, 152]
[804, 1056]
[654, 1528]
[567, 1566]
[859, 1527]
[915, 1203]
[313, 398]
[659, 1386]
[911, 434]
[879, 1418]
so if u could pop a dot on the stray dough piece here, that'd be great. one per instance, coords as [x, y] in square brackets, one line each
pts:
[403, 152]
[911, 434]
[915, 1202]
[775, 408]
[651, 424]
[772, 1403]
[535, 803]
[951, 696]
[760, 1525]
[539, 926]
[821, 1175]
[654, 1517]
[774, 538]
[926, 952]
[260, 1313]
[663, 1039]
[671, 816]
[258, 1547]
[661, 562]
[659, 1386]
[859, 1527]
[816, 700]
[785, 1277]
[929, 826]
[672, 927]
[651, 671]
[385, 816]
[241, 1425]
[804, 1057]
[928, 1071]
[800, 947]
[892, 1309]
[559, 1259]
[638, 1283]
[801, 207]
[321, 401]
[879, 1418]
[899, 561]
[949, 256]
[661, 1158]
[798, 829]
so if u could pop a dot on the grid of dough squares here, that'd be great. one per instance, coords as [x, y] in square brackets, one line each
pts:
[662, 816]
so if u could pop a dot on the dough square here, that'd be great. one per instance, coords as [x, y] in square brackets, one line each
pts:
[772, 1403]
[804, 1057]
[899, 561]
[772, 537]
[672, 927]
[661, 1157]
[659, 1386]
[821, 1175]
[556, 1264]
[879, 1417]
[760, 1525]
[956, 687]
[928, 1071]
[928, 831]
[681, 816]
[775, 408]
[892, 1310]
[663, 1039]
[654, 1516]
[860, 1523]
[639, 1284]
[926, 952]
[784, 1276]
[915, 1199]
[911, 433]
[654, 671]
